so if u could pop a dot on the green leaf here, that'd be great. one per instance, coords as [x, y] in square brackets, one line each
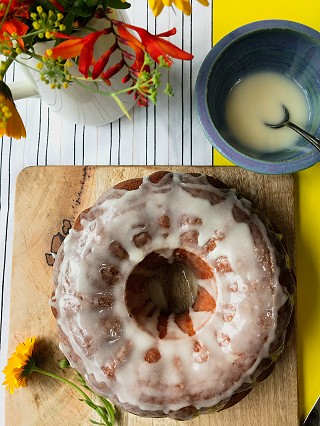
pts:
[118, 4]
[115, 4]
[80, 378]
[95, 423]
[109, 407]
[104, 4]
[46, 5]
[29, 39]
[92, 3]
[68, 21]
[83, 13]
[90, 403]
[120, 104]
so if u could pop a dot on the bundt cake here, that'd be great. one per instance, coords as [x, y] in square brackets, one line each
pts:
[116, 323]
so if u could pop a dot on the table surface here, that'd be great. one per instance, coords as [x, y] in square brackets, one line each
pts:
[168, 134]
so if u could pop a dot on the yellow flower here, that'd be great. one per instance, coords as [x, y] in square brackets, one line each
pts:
[10, 120]
[184, 5]
[22, 363]
[19, 365]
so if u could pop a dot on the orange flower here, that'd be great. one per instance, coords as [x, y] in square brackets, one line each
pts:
[155, 46]
[17, 8]
[78, 46]
[138, 48]
[83, 47]
[13, 28]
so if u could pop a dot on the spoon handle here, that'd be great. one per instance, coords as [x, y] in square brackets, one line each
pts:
[312, 139]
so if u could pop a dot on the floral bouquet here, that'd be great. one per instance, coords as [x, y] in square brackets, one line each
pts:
[25, 23]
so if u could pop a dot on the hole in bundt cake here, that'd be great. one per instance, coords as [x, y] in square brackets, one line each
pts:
[159, 288]
[173, 288]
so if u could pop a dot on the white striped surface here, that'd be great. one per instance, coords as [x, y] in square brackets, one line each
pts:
[168, 134]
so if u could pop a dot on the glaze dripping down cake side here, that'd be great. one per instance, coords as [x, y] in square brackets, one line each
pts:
[130, 345]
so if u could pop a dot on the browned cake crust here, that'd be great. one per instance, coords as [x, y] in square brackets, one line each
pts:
[136, 300]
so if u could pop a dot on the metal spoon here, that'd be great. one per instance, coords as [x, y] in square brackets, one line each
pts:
[285, 122]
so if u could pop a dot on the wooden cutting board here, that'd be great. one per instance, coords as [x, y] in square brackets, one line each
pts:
[47, 198]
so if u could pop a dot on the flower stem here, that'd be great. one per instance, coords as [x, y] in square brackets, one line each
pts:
[87, 399]
[6, 64]
[6, 13]
[62, 379]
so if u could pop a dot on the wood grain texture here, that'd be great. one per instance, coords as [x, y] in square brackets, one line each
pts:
[47, 195]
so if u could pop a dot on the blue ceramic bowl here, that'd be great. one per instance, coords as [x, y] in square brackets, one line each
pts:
[273, 45]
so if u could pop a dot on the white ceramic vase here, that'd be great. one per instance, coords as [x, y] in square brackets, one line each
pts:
[78, 104]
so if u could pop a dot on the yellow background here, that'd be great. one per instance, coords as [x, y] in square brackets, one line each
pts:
[228, 15]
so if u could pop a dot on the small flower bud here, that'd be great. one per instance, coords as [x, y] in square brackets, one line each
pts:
[168, 90]
[153, 97]
[147, 59]
[126, 78]
[64, 363]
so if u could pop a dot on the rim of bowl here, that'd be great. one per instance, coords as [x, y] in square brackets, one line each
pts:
[213, 135]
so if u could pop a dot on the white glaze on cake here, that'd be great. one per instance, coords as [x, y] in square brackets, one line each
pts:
[228, 343]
